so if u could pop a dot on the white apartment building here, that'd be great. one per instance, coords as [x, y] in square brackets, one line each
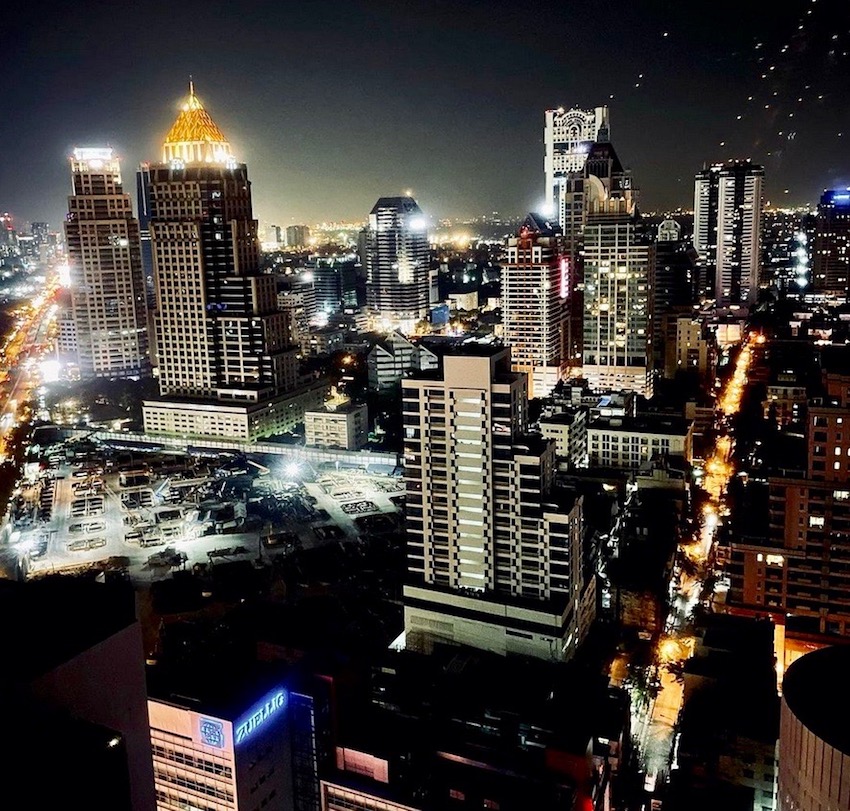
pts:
[617, 325]
[628, 442]
[494, 548]
[535, 286]
[727, 230]
[337, 425]
[108, 311]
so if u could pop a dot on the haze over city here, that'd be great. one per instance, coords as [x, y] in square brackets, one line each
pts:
[333, 104]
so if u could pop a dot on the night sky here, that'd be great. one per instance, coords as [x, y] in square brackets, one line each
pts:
[333, 104]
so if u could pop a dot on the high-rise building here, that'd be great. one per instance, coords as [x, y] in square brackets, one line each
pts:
[225, 365]
[581, 168]
[107, 287]
[297, 236]
[494, 548]
[143, 206]
[619, 261]
[535, 285]
[219, 749]
[397, 258]
[831, 269]
[727, 230]
[569, 136]
[673, 285]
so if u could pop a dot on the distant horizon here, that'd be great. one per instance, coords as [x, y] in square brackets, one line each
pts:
[331, 111]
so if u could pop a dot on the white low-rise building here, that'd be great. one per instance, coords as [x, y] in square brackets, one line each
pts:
[628, 442]
[337, 425]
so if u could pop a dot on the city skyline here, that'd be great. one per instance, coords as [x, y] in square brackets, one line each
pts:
[335, 111]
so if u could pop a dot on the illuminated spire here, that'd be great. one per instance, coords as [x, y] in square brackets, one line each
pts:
[195, 137]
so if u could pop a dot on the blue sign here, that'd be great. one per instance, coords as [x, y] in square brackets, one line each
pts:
[212, 733]
[271, 705]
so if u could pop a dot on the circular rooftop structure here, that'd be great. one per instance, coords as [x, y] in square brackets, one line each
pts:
[814, 734]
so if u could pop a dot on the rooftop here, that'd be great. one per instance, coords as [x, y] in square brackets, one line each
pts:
[816, 700]
[644, 423]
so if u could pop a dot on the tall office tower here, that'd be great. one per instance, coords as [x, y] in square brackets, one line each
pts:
[535, 285]
[727, 230]
[831, 269]
[225, 365]
[494, 549]
[568, 136]
[335, 281]
[397, 258]
[672, 285]
[107, 288]
[297, 236]
[619, 261]
[581, 167]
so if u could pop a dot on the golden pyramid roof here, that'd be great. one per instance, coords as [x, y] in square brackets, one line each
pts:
[194, 136]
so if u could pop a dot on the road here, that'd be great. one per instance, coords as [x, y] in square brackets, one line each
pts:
[655, 722]
[19, 356]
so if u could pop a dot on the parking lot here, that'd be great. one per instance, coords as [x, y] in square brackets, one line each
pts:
[87, 505]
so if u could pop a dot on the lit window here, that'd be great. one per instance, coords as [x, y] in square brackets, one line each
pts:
[841, 495]
[816, 521]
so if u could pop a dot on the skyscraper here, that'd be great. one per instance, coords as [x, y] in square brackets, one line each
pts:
[618, 264]
[494, 548]
[225, 366]
[727, 230]
[397, 258]
[581, 167]
[107, 288]
[535, 285]
[831, 269]
[568, 136]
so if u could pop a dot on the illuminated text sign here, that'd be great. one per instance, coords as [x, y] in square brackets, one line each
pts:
[271, 705]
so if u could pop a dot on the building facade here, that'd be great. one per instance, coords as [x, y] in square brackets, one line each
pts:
[814, 748]
[831, 260]
[568, 136]
[618, 264]
[494, 550]
[104, 256]
[727, 230]
[535, 286]
[337, 425]
[392, 357]
[223, 757]
[796, 568]
[629, 442]
[221, 340]
[397, 258]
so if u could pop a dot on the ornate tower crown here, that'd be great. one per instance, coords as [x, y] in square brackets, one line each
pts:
[195, 137]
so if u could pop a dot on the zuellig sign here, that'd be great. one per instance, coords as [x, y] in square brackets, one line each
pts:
[272, 704]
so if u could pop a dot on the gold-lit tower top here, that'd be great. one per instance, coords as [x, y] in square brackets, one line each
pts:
[195, 137]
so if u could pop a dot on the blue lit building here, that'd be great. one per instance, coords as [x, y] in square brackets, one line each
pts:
[831, 260]
[232, 741]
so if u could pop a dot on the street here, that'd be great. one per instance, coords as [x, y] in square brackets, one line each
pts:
[654, 722]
